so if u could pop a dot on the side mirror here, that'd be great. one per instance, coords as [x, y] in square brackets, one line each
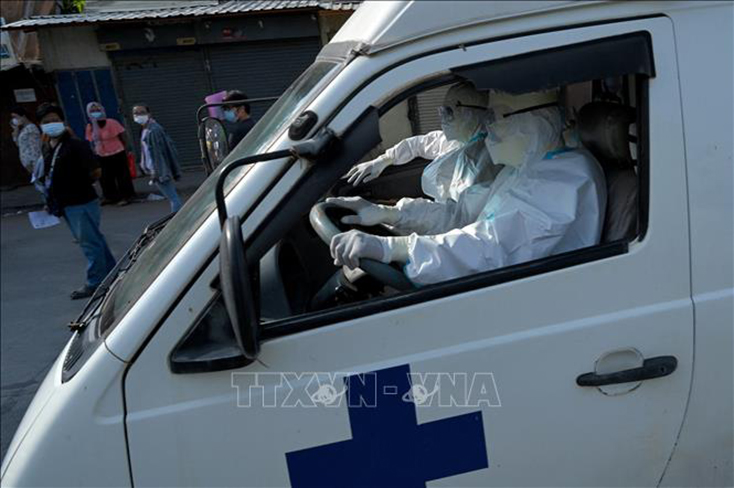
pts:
[234, 277]
[212, 143]
[215, 137]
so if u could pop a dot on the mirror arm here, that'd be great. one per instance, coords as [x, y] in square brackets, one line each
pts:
[310, 149]
[219, 192]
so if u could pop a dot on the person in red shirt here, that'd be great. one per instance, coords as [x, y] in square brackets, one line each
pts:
[107, 137]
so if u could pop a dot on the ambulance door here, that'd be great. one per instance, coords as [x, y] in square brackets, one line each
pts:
[574, 370]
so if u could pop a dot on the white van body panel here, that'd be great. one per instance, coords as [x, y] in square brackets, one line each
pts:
[380, 25]
[40, 399]
[73, 434]
[705, 451]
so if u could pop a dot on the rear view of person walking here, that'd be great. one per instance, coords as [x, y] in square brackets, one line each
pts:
[159, 155]
[66, 177]
[107, 137]
[27, 137]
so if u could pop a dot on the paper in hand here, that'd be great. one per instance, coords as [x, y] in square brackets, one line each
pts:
[42, 219]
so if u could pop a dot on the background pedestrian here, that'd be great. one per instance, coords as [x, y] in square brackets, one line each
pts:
[109, 142]
[27, 137]
[237, 117]
[159, 155]
[68, 173]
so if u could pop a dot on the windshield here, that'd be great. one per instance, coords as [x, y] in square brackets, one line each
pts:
[135, 281]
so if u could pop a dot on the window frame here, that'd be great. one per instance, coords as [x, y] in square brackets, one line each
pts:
[257, 245]
[313, 320]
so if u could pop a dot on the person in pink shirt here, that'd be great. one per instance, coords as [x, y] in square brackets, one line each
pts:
[107, 137]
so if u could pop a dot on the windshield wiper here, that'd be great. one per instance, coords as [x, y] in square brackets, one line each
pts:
[121, 267]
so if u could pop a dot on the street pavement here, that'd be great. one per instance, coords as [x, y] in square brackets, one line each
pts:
[26, 197]
[38, 270]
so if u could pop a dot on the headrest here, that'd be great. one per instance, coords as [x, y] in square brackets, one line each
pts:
[604, 130]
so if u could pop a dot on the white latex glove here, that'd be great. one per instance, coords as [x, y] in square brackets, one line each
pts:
[362, 173]
[368, 213]
[348, 248]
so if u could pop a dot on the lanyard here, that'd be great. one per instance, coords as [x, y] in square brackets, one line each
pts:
[49, 178]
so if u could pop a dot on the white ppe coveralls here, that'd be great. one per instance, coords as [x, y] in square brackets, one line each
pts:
[545, 207]
[542, 202]
[455, 165]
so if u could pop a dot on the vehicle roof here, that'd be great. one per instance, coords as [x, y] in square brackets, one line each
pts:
[378, 25]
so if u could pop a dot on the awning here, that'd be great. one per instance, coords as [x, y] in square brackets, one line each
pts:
[228, 8]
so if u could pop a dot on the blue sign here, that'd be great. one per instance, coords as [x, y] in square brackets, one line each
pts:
[388, 447]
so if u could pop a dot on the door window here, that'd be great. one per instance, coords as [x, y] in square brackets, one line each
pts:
[301, 287]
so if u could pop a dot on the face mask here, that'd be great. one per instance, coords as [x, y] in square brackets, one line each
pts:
[141, 119]
[96, 115]
[230, 116]
[53, 129]
[14, 122]
[523, 138]
[460, 123]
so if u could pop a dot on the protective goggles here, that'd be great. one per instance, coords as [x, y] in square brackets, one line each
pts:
[498, 113]
[498, 124]
[447, 113]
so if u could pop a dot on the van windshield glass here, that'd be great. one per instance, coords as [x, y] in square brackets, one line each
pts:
[131, 284]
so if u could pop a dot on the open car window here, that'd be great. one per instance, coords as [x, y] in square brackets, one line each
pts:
[299, 287]
[298, 276]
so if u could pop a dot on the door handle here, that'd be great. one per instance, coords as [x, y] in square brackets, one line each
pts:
[651, 368]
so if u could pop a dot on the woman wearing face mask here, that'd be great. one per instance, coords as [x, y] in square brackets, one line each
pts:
[107, 137]
[27, 137]
[66, 179]
[159, 155]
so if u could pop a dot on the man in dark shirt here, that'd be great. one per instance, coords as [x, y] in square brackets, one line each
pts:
[68, 173]
[237, 116]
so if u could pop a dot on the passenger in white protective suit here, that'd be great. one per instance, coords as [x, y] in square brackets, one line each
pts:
[546, 200]
[459, 156]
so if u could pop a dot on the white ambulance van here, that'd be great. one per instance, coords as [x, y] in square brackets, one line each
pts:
[228, 350]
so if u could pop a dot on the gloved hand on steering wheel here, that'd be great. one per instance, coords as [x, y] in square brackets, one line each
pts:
[368, 213]
[348, 248]
[362, 173]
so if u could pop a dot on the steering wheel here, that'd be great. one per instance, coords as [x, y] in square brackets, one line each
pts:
[384, 273]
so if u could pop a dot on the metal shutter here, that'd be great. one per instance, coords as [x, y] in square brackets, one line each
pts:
[261, 69]
[428, 103]
[173, 84]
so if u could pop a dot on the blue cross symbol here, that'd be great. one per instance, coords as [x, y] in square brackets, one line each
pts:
[388, 447]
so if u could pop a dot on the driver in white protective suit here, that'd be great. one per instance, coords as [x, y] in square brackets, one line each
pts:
[459, 156]
[546, 200]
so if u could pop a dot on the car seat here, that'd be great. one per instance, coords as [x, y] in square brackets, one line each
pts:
[603, 128]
